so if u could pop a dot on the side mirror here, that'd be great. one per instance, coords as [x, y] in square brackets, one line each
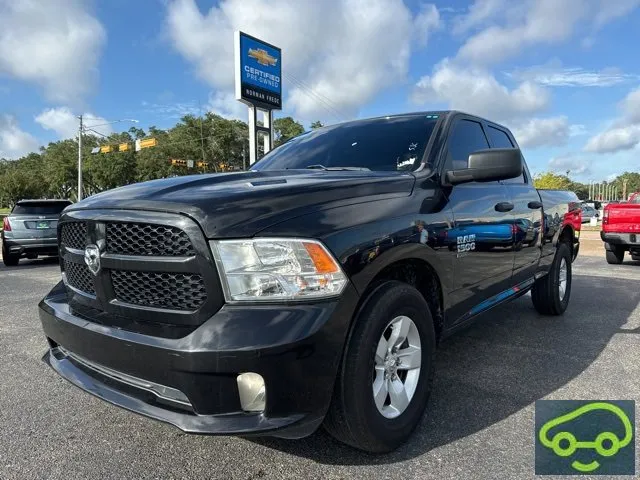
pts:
[488, 165]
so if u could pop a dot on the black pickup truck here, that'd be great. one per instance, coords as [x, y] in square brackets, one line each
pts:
[312, 289]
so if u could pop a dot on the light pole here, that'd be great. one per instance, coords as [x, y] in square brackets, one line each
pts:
[81, 130]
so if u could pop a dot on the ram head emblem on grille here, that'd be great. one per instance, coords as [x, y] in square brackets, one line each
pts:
[92, 258]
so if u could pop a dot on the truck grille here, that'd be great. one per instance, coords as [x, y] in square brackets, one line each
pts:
[176, 291]
[146, 239]
[148, 262]
[79, 277]
[74, 235]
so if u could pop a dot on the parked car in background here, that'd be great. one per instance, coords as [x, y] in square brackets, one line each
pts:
[588, 213]
[312, 289]
[30, 230]
[621, 229]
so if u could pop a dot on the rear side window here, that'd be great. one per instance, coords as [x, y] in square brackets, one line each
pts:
[500, 139]
[39, 208]
[467, 137]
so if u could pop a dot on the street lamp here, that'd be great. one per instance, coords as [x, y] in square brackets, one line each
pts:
[81, 130]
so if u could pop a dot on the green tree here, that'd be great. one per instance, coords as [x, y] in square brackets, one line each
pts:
[221, 143]
[633, 183]
[286, 128]
[317, 124]
[23, 178]
[110, 170]
[551, 181]
[154, 162]
[580, 189]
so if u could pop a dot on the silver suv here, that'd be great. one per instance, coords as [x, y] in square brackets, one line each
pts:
[31, 230]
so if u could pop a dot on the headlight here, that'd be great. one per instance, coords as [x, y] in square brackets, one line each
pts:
[268, 269]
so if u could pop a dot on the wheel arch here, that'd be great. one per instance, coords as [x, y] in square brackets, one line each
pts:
[567, 235]
[413, 269]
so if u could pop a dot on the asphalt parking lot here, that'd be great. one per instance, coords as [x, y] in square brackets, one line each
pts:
[479, 422]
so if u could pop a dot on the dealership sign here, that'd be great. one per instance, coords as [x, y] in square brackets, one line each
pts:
[258, 72]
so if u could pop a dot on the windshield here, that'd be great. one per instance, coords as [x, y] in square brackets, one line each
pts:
[381, 144]
[39, 208]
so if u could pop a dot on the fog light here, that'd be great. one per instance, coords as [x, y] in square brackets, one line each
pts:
[252, 392]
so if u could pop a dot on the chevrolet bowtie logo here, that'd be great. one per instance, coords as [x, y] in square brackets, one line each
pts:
[262, 57]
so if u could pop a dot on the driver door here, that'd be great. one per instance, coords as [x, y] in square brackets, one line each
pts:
[481, 240]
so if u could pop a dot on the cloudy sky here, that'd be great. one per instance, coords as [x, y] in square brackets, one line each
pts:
[563, 74]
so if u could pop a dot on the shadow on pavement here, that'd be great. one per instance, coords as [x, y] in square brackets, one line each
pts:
[26, 264]
[507, 360]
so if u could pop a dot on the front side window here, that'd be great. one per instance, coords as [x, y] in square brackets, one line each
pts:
[380, 144]
[466, 138]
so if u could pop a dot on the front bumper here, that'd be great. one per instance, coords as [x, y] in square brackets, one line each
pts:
[627, 239]
[296, 349]
[48, 246]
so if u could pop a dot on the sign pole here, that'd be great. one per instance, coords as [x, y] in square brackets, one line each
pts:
[253, 145]
[268, 123]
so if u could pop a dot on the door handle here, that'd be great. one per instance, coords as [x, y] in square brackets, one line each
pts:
[504, 207]
[534, 205]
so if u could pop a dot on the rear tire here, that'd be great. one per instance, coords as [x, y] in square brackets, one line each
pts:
[8, 259]
[354, 417]
[551, 293]
[615, 256]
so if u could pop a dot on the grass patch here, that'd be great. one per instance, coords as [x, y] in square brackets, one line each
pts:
[5, 210]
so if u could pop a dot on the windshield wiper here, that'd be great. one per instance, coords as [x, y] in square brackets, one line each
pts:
[322, 167]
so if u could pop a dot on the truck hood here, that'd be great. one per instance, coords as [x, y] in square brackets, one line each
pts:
[240, 204]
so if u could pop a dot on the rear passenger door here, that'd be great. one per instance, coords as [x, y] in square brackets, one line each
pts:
[527, 212]
[481, 239]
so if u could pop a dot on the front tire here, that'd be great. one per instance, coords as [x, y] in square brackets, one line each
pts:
[386, 373]
[551, 293]
[615, 256]
[8, 259]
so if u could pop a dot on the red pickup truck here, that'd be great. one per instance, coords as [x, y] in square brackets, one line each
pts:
[621, 229]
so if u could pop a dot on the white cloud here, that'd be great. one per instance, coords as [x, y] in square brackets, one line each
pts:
[611, 9]
[55, 44]
[174, 110]
[614, 139]
[630, 106]
[575, 163]
[477, 91]
[479, 12]
[577, 130]
[65, 123]
[554, 75]
[226, 105]
[539, 132]
[14, 142]
[542, 21]
[624, 133]
[514, 26]
[323, 43]
[426, 22]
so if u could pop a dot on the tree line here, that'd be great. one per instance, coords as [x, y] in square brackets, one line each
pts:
[219, 144]
[550, 180]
